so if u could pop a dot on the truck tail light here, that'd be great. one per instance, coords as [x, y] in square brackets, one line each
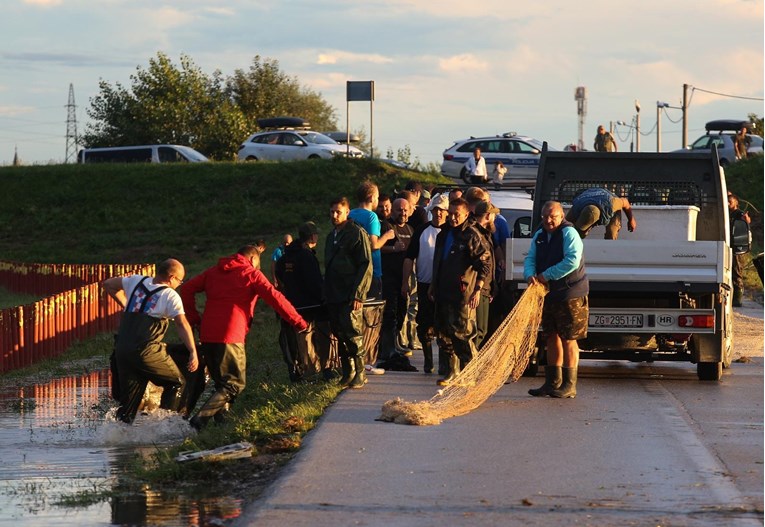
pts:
[696, 321]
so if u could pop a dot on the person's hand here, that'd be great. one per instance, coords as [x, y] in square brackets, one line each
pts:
[387, 236]
[475, 298]
[193, 363]
[303, 328]
[357, 304]
[631, 225]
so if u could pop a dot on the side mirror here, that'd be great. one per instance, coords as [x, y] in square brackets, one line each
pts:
[741, 237]
[298, 142]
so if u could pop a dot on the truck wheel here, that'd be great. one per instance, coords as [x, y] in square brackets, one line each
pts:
[709, 371]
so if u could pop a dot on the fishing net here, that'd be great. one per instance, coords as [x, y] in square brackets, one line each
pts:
[503, 357]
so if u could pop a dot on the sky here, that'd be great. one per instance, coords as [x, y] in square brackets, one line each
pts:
[443, 70]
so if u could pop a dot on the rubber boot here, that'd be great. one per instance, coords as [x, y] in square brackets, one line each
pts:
[347, 369]
[454, 366]
[553, 380]
[443, 362]
[360, 379]
[738, 297]
[567, 389]
[217, 402]
[427, 351]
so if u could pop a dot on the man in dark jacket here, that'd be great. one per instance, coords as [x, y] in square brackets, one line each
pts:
[300, 280]
[555, 259]
[232, 288]
[347, 278]
[461, 266]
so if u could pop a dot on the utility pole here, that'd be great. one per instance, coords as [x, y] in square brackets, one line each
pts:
[637, 126]
[685, 116]
[580, 95]
[659, 106]
[71, 129]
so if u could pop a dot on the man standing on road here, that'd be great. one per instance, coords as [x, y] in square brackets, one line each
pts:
[737, 269]
[460, 269]
[598, 206]
[232, 288]
[141, 356]
[347, 277]
[475, 167]
[555, 259]
[422, 250]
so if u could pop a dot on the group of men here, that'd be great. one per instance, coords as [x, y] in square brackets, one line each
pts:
[450, 251]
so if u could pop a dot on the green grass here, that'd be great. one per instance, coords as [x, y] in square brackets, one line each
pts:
[196, 213]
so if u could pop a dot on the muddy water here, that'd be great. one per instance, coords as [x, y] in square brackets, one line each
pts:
[60, 438]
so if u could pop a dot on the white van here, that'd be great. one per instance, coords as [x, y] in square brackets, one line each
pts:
[141, 154]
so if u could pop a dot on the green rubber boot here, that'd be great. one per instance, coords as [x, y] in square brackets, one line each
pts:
[567, 389]
[553, 380]
[454, 370]
[347, 368]
[360, 379]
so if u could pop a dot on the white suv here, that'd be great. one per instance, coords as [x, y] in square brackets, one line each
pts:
[520, 155]
[293, 145]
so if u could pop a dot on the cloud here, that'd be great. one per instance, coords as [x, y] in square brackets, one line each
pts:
[465, 62]
[43, 3]
[12, 111]
[347, 57]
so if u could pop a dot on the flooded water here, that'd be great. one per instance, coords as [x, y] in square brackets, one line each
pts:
[60, 438]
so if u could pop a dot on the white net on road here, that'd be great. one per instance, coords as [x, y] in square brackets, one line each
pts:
[503, 357]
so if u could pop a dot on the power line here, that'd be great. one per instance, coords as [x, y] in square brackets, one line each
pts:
[728, 95]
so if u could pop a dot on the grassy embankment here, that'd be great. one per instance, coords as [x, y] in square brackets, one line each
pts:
[196, 213]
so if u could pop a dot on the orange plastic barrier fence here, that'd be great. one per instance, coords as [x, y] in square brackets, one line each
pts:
[75, 309]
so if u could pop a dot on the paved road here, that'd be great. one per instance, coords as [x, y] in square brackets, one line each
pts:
[640, 445]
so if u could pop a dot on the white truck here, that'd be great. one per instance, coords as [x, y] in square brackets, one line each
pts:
[663, 292]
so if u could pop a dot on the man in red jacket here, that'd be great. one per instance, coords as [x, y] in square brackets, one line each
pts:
[231, 288]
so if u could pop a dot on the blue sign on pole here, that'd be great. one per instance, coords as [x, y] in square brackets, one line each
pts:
[360, 90]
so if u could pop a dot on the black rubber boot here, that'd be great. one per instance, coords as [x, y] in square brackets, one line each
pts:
[347, 369]
[738, 297]
[454, 367]
[553, 380]
[427, 351]
[443, 362]
[218, 402]
[567, 389]
[360, 379]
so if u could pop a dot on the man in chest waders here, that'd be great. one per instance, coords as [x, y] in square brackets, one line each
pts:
[141, 356]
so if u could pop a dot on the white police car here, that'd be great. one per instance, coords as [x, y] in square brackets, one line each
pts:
[519, 153]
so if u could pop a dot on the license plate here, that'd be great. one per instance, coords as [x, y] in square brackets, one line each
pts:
[616, 321]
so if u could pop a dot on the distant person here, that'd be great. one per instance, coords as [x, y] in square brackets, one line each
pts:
[604, 141]
[347, 277]
[454, 194]
[598, 206]
[475, 167]
[418, 215]
[741, 142]
[150, 302]
[383, 207]
[498, 174]
[737, 268]
[278, 253]
[260, 244]
[367, 197]
[231, 289]
[555, 259]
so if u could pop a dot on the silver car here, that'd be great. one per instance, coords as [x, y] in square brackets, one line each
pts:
[520, 155]
[724, 143]
[293, 145]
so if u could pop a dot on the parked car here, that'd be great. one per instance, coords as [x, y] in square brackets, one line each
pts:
[293, 145]
[141, 154]
[519, 154]
[720, 133]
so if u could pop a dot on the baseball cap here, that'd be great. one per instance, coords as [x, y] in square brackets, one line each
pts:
[485, 207]
[307, 230]
[440, 201]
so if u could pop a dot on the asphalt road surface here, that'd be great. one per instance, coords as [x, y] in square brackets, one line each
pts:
[642, 445]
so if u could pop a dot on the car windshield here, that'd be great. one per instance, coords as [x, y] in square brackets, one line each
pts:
[317, 139]
[192, 154]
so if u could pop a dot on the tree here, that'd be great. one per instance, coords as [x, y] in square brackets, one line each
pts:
[182, 105]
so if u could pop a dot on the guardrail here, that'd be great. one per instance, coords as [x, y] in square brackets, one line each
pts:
[75, 308]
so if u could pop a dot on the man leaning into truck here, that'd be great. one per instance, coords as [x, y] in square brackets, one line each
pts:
[598, 206]
[555, 259]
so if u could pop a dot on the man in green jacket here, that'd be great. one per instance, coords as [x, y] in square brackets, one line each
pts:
[347, 278]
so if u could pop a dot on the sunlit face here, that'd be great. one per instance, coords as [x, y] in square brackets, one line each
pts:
[384, 208]
[552, 217]
[338, 214]
[457, 215]
[439, 216]
[401, 211]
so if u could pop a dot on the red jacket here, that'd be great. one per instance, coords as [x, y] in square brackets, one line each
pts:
[232, 288]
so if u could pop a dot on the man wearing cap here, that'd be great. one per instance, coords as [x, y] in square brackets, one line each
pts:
[422, 250]
[484, 216]
[231, 288]
[300, 280]
[598, 206]
[461, 266]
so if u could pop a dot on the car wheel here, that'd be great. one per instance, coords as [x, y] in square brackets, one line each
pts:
[314, 156]
[251, 158]
[465, 176]
[724, 162]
